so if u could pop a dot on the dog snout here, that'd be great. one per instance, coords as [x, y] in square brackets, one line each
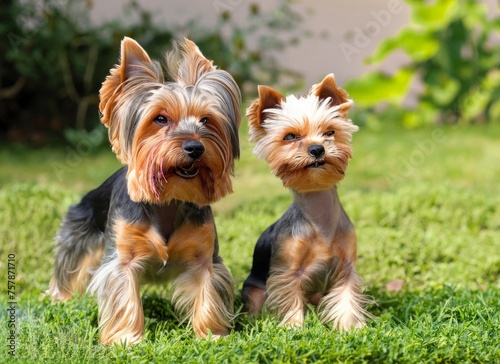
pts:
[316, 150]
[193, 148]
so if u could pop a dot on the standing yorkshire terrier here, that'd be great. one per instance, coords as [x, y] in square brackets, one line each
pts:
[176, 130]
[309, 254]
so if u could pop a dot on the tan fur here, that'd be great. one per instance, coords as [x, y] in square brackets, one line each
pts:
[312, 270]
[121, 317]
[316, 263]
[89, 264]
[192, 64]
[152, 113]
[256, 299]
[151, 157]
[134, 72]
[78, 279]
[196, 290]
[168, 155]
[344, 305]
[272, 116]
[117, 282]
[268, 98]
[137, 244]
[344, 246]
[292, 272]
[328, 88]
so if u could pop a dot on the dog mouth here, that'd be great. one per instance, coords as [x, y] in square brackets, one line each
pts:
[188, 171]
[316, 164]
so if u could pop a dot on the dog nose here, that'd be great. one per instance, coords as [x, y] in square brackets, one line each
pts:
[193, 148]
[316, 150]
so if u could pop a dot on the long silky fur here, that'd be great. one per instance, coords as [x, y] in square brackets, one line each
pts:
[121, 317]
[205, 298]
[344, 306]
[309, 254]
[125, 230]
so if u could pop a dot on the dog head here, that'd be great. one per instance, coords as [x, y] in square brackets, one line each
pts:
[174, 124]
[305, 140]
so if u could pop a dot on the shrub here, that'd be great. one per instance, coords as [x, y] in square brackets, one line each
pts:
[55, 59]
[450, 49]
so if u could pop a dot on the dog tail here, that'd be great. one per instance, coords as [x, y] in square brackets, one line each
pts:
[80, 242]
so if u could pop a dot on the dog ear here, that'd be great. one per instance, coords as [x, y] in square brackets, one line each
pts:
[268, 98]
[328, 89]
[134, 62]
[135, 68]
[186, 63]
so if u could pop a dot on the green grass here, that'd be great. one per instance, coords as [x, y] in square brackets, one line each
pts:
[425, 204]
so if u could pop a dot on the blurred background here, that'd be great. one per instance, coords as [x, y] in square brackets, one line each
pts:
[410, 62]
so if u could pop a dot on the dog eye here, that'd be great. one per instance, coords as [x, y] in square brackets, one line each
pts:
[162, 120]
[204, 121]
[291, 136]
[329, 133]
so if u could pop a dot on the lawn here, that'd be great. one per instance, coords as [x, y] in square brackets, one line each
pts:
[425, 204]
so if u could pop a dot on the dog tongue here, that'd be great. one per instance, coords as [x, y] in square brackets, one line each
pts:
[189, 171]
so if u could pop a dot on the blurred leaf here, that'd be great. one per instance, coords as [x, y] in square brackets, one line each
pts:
[474, 104]
[418, 44]
[375, 87]
[424, 113]
[474, 13]
[410, 119]
[434, 15]
[445, 91]
[476, 100]
[491, 80]
[494, 112]
[453, 47]
[495, 25]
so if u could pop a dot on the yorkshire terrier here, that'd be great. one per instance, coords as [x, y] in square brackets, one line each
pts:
[309, 254]
[175, 128]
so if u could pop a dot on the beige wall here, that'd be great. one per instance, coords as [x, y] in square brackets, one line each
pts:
[353, 28]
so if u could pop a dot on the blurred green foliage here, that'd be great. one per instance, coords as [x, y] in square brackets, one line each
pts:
[53, 58]
[454, 50]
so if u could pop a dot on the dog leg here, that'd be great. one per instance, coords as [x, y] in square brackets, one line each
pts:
[286, 297]
[204, 291]
[253, 292]
[253, 299]
[343, 305]
[298, 260]
[121, 317]
[116, 283]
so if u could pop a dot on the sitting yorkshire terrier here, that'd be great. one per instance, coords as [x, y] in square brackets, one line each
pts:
[176, 130]
[309, 254]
